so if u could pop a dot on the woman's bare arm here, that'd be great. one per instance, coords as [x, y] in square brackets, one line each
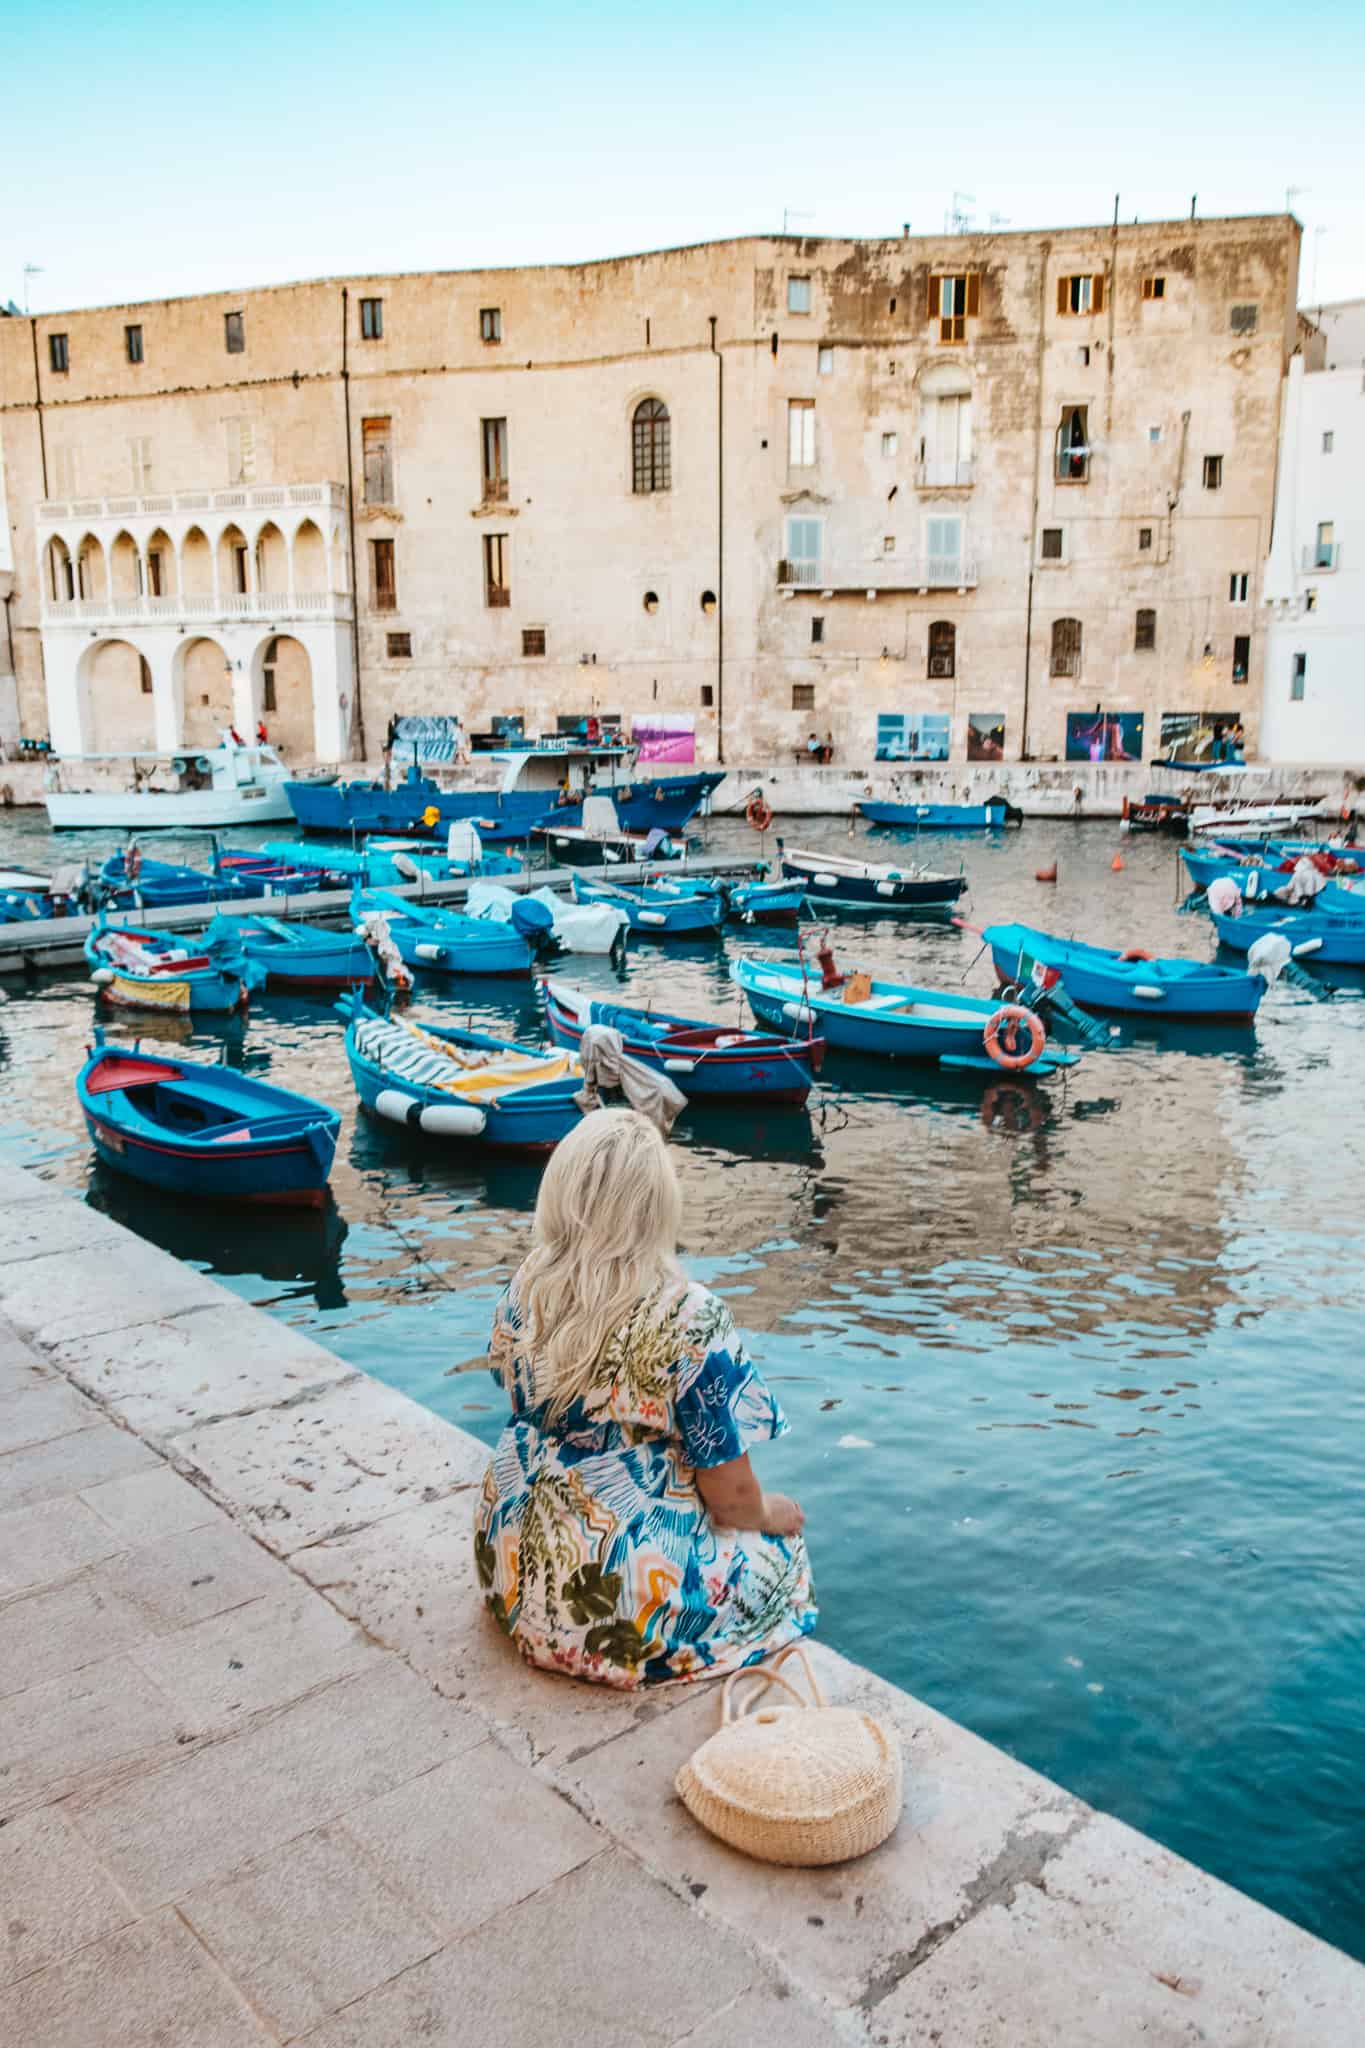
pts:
[735, 1500]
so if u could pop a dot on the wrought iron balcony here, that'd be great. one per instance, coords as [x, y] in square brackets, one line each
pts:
[944, 476]
[881, 572]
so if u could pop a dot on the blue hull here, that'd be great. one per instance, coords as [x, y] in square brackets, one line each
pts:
[205, 1132]
[528, 1119]
[445, 941]
[877, 896]
[695, 1057]
[1099, 979]
[664, 804]
[1313, 934]
[295, 958]
[655, 913]
[940, 817]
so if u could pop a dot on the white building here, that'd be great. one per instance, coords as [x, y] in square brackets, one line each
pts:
[9, 688]
[1313, 705]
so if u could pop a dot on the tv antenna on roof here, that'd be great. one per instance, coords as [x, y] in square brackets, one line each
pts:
[30, 270]
[959, 221]
[1000, 220]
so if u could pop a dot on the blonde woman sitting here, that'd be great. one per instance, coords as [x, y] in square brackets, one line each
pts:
[622, 1535]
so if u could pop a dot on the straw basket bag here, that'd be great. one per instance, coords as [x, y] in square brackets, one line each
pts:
[794, 1783]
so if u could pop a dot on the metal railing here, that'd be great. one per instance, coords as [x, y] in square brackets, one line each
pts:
[241, 497]
[943, 476]
[881, 572]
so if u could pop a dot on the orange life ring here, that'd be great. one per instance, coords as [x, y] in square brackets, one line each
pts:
[1135, 953]
[759, 813]
[1006, 1023]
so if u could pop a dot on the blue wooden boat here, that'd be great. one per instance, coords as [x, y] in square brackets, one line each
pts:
[1313, 935]
[446, 941]
[838, 883]
[709, 1062]
[462, 1086]
[378, 862]
[204, 1131]
[234, 878]
[658, 911]
[894, 1019]
[300, 958]
[1100, 979]
[756, 902]
[186, 972]
[991, 816]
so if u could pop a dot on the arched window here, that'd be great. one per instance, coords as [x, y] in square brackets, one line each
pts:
[651, 446]
[1066, 647]
[942, 648]
[1144, 638]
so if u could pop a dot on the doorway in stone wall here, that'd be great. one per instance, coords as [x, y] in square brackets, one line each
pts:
[204, 693]
[284, 695]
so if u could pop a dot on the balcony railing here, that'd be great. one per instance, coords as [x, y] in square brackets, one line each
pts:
[881, 572]
[188, 609]
[1321, 557]
[943, 476]
[242, 497]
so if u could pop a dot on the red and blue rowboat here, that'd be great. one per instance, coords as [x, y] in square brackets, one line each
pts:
[208, 1132]
[709, 1062]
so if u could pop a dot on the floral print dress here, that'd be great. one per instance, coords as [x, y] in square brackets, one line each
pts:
[593, 1545]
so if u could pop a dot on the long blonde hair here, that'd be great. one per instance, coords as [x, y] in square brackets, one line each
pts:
[606, 1229]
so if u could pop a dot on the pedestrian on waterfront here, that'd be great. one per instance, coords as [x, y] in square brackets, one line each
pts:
[622, 1535]
[827, 751]
[390, 741]
[813, 746]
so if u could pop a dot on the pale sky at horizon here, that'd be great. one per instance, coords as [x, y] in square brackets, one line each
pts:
[148, 155]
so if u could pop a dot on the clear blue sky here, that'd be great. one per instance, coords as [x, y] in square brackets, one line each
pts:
[152, 151]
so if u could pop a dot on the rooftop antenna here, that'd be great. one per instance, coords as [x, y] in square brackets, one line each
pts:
[959, 221]
[794, 213]
[30, 270]
[1000, 220]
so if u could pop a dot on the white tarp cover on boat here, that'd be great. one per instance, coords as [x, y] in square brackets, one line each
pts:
[579, 927]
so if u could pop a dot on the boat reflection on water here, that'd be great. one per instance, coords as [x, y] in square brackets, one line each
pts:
[780, 1134]
[299, 1249]
[398, 1161]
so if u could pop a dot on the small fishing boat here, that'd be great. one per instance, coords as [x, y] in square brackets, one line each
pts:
[447, 941]
[709, 1062]
[831, 879]
[658, 912]
[765, 902]
[463, 1085]
[204, 972]
[298, 958]
[1330, 936]
[991, 816]
[231, 784]
[1100, 979]
[860, 1013]
[600, 840]
[575, 927]
[209, 1132]
[1156, 813]
[379, 862]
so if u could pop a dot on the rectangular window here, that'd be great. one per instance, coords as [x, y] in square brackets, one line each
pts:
[241, 581]
[493, 434]
[1298, 676]
[798, 295]
[804, 546]
[1325, 552]
[1244, 319]
[57, 352]
[942, 650]
[1073, 446]
[708, 695]
[817, 630]
[132, 342]
[1066, 647]
[372, 319]
[1144, 540]
[1238, 584]
[1084, 354]
[155, 571]
[140, 465]
[383, 586]
[825, 362]
[800, 433]
[953, 301]
[533, 640]
[1144, 636]
[1327, 441]
[234, 333]
[1213, 472]
[943, 549]
[1153, 287]
[241, 450]
[888, 543]
[268, 698]
[1052, 544]
[399, 646]
[891, 444]
[803, 696]
[1154, 434]
[1241, 657]
[497, 583]
[1081, 294]
[376, 445]
[490, 323]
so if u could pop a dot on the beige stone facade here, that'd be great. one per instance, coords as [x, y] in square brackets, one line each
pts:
[994, 479]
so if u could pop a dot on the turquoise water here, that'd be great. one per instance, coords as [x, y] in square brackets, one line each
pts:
[1075, 1375]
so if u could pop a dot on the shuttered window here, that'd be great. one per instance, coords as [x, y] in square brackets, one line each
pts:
[497, 571]
[800, 433]
[953, 301]
[383, 583]
[494, 439]
[234, 333]
[1066, 647]
[376, 442]
[1081, 293]
[1144, 637]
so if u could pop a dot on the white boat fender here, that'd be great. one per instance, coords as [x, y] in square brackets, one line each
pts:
[102, 976]
[676, 1066]
[429, 952]
[801, 1012]
[1148, 990]
[826, 881]
[1307, 946]
[886, 888]
[443, 1119]
[652, 916]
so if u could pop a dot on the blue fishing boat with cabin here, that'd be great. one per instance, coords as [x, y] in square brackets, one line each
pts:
[301, 959]
[991, 816]
[449, 942]
[460, 1085]
[862, 1013]
[1098, 978]
[838, 883]
[709, 1062]
[658, 911]
[204, 973]
[205, 1131]
[1313, 934]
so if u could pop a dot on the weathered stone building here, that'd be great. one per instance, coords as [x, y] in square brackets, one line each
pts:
[922, 493]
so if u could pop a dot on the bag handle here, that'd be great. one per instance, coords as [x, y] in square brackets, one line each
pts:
[764, 1676]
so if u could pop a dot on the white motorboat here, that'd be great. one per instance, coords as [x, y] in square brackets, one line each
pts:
[231, 784]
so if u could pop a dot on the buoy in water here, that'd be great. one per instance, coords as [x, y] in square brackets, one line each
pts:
[1046, 874]
[1117, 862]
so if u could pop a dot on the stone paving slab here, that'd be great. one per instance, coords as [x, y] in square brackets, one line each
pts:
[55, 1897]
[121, 1281]
[151, 1985]
[66, 1464]
[36, 1414]
[263, 1654]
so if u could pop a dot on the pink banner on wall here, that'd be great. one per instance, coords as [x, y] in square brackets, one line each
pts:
[666, 736]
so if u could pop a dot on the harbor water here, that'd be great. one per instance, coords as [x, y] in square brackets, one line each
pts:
[1074, 1370]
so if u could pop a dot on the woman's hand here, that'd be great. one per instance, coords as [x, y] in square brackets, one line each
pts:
[782, 1516]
